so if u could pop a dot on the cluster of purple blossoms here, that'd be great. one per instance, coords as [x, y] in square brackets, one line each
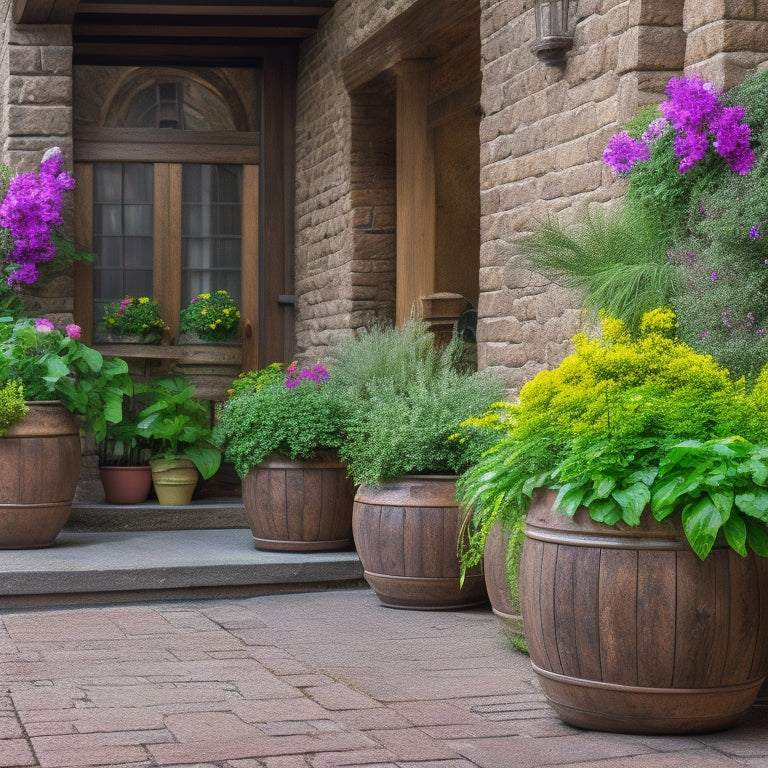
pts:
[316, 373]
[623, 152]
[31, 208]
[695, 111]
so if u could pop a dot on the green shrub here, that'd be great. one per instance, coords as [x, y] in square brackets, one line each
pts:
[12, 406]
[276, 411]
[403, 402]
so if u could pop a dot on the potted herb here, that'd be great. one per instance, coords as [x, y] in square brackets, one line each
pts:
[404, 400]
[281, 428]
[210, 318]
[134, 319]
[179, 427]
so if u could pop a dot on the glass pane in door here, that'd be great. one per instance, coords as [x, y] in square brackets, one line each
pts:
[211, 230]
[122, 234]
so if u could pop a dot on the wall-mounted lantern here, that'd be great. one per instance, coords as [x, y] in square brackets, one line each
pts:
[553, 34]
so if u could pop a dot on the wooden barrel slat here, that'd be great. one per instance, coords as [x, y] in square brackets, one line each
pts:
[680, 645]
[586, 595]
[407, 544]
[530, 583]
[299, 506]
[567, 610]
[656, 601]
[504, 603]
[741, 640]
[618, 618]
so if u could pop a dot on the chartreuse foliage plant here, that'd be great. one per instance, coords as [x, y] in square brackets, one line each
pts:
[12, 406]
[628, 425]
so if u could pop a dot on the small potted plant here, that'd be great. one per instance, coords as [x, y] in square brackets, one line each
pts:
[135, 319]
[124, 456]
[179, 427]
[281, 429]
[210, 318]
[404, 400]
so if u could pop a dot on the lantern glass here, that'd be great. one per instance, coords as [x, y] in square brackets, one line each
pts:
[551, 18]
[553, 35]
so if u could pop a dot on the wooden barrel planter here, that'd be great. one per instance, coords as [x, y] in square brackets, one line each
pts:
[504, 602]
[300, 506]
[629, 631]
[39, 470]
[406, 534]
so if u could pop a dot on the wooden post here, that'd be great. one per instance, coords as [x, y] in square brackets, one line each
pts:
[415, 188]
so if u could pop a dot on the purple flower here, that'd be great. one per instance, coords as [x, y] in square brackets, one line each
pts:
[30, 210]
[713, 277]
[623, 152]
[704, 335]
[695, 111]
[74, 331]
[754, 233]
[44, 325]
[655, 129]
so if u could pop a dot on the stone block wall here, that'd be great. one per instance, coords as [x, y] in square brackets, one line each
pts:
[336, 294]
[543, 130]
[36, 74]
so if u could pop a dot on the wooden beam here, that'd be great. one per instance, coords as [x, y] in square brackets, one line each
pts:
[206, 8]
[409, 35]
[415, 271]
[44, 11]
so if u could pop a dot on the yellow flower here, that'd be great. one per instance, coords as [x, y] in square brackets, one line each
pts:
[211, 325]
[203, 311]
[205, 295]
[143, 300]
[222, 291]
[111, 320]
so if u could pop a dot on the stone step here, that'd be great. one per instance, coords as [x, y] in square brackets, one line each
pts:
[222, 512]
[86, 567]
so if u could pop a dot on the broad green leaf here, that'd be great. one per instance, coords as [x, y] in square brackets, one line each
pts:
[633, 501]
[757, 536]
[570, 498]
[605, 511]
[754, 504]
[604, 487]
[701, 523]
[735, 532]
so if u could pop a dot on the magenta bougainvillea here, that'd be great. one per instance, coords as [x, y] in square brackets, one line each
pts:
[696, 114]
[30, 211]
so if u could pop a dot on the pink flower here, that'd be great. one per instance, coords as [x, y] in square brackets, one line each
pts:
[44, 325]
[73, 331]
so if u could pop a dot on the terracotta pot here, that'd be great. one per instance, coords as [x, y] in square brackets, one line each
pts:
[629, 631]
[174, 481]
[39, 470]
[406, 534]
[300, 506]
[504, 602]
[126, 485]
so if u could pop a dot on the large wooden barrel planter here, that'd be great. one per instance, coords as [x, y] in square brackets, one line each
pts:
[504, 603]
[300, 506]
[406, 534]
[629, 631]
[39, 470]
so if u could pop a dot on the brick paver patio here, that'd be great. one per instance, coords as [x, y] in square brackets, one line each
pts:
[290, 681]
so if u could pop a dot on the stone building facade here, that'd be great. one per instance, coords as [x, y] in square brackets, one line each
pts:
[542, 131]
[510, 140]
